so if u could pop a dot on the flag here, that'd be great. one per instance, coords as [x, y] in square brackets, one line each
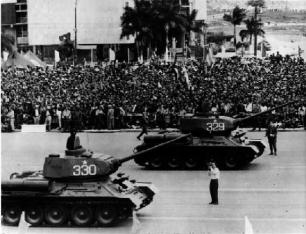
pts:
[248, 228]
[5, 55]
[56, 56]
[300, 51]
[112, 55]
[209, 57]
[134, 107]
[186, 77]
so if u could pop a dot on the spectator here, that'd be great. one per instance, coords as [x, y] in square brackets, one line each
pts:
[230, 85]
[11, 116]
[66, 117]
[48, 119]
[36, 114]
[110, 118]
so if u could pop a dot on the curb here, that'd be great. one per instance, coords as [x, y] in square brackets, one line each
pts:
[159, 130]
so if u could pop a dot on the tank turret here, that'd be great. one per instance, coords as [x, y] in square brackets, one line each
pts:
[217, 125]
[78, 187]
[90, 166]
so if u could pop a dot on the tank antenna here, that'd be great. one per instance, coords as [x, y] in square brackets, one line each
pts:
[87, 137]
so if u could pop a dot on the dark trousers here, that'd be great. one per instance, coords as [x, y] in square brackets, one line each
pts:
[272, 144]
[213, 188]
[143, 131]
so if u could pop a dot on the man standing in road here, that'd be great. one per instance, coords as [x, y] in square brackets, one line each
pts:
[214, 174]
[144, 123]
[271, 133]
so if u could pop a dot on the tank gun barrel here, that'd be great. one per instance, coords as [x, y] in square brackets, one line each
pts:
[237, 121]
[130, 157]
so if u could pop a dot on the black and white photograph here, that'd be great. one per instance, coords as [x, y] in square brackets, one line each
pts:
[153, 116]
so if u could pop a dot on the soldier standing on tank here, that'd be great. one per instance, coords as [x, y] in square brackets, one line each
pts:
[73, 141]
[271, 133]
[214, 175]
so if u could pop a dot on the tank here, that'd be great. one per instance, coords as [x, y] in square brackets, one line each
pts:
[77, 187]
[212, 137]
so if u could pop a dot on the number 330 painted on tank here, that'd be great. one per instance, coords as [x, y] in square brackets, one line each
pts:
[84, 170]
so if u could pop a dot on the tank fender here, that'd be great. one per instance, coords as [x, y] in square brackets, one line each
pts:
[25, 185]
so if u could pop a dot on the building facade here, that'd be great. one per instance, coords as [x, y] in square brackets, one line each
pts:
[95, 27]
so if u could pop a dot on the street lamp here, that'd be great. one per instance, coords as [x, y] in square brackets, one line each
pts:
[167, 41]
[75, 56]
[204, 31]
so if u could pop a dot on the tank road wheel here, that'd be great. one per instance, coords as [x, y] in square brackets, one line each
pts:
[11, 215]
[106, 215]
[82, 215]
[174, 162]
[124, 212]
[231, 161]
[34, 215]
[156, 162]
[55, 215]
[191, 162]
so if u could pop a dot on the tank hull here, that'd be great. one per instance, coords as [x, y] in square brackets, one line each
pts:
[194, 153]
[105, 202]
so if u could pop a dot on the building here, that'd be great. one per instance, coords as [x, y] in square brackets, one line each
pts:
[95, 27]
[14, 21]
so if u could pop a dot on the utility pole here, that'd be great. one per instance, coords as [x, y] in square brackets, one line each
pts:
[204, 31]
[75, 56]
[255, 33]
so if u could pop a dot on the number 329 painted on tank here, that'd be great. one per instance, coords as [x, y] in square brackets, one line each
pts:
[84, 170]
[213, 127]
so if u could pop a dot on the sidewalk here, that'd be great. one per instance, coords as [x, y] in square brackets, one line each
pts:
[177, 130]
[167, 130]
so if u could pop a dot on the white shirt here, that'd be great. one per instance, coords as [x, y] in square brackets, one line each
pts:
[214, 173]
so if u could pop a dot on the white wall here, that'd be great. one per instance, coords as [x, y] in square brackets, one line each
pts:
[201, 6]
[98, 21]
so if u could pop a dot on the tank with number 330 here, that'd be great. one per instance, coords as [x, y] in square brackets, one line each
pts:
[78, 188]
[212, 137]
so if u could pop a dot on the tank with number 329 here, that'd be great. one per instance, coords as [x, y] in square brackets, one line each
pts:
[78, 187]
[212, 137]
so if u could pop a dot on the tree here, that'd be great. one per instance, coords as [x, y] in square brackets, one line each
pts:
[153, 22]
[8, 44]
[243, 45]
[254, 27]
[66, 46]
[169, 21]
[257, 4]
[235, 19]
[137, 22]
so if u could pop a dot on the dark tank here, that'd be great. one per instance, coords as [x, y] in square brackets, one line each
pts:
[77, 187]
[212, 137]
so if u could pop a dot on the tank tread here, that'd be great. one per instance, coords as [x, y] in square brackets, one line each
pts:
[72, 211]
[197, 157]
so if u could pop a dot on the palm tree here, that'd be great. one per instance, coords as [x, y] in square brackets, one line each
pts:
[169, 21]
[137, 22]
[253, 27]
[257, 4]
[152, 22]
[235, 18]
[243, 45]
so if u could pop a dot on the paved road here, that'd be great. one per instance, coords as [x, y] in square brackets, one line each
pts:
[271, 192]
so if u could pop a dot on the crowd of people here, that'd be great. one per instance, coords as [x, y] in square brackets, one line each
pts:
[115, 96]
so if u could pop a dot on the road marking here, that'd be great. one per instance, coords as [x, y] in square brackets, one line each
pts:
[222, 219]
[251, 190]
[290, 167]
